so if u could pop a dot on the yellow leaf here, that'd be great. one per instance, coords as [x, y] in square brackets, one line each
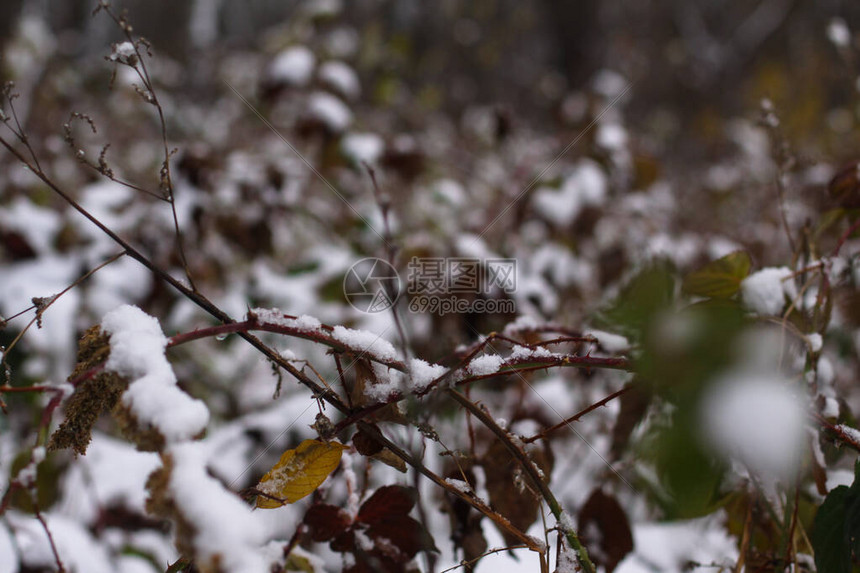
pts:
[298, 473]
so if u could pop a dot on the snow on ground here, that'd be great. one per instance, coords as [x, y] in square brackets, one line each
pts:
[669, 547]
[225, 530]
[113, 473]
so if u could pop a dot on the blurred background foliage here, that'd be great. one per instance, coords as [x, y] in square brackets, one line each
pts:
[694, 64]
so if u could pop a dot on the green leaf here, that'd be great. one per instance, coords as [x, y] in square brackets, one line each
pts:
[720, 278]
[827, 220]
[832, 554]
[645, 296]
[836, 529]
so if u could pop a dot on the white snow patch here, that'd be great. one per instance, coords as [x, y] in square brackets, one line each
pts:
[459, 485]
[137, 352]
[486, 364]
[523, 322]
[123, 53]
[330, 110]
[838, 33]
[293, 66]
[852, 433]
[830, 408]
[8, 553]
[611, 136]
[670, 547]
[764, 291]
[755, 418]
[816, 342]
[275, 317]
[386, 384]
[38, 226]
[449, 191]
[613, 343]
[365, 341]
[362, 147]
[114, 472]
[225, 530]
[422, 373]
[77, 548]
[340, 77]
[585, 186]
[519, 352]
[609, 83]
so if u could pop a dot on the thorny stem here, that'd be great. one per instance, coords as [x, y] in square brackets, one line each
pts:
[322, 336]
[530, 470]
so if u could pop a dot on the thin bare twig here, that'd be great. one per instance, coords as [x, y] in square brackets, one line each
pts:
[482, 555]
[564, 423]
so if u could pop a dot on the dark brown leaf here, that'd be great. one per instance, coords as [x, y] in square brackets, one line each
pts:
[509, 489]
[605, 530]
[387, 502]
[466, 531]
[387, 515]
[634, 405]
[366, 444]
[844, 188]
[325, 522]
[405, 533]
[345, 542]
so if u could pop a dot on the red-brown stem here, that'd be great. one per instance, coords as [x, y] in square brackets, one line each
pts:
[843, 437]
[34, 388]
[38, 513]
[322, 336]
